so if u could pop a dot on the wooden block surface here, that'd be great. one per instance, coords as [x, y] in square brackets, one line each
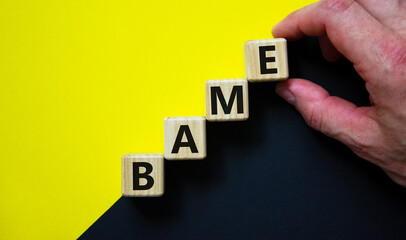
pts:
[227, 100]
[266, 60]
[185, 138]
[142, 175]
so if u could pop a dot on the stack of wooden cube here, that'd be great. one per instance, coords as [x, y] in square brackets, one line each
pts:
[185, 137]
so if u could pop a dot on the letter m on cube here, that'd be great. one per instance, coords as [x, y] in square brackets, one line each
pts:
[227, 100]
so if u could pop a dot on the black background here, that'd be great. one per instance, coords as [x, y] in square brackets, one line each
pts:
[270, 177]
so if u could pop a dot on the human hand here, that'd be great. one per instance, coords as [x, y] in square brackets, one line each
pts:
[372, 35]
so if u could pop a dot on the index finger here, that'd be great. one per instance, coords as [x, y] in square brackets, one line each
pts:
[370, 46]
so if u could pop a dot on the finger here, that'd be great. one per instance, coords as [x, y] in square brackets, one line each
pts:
[332, 116]
[288, 28]
[352, 30]
[328, 50]
[381, 10]
[397, 178]
[390, 13]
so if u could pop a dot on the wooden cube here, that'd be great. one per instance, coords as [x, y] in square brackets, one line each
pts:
[227, 100]
[185, 138]
[142, 175]
[266, 60]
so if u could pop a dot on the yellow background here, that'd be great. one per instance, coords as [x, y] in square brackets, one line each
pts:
[84, 82]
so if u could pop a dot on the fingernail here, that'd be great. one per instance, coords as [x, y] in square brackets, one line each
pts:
[286, 94]
[273, 29]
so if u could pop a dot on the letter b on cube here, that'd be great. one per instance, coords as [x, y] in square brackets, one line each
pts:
[142, 175]
[227, 100]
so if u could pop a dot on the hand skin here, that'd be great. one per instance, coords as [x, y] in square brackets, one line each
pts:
[372, 35]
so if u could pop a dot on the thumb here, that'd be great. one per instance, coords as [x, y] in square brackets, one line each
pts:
[330, 115]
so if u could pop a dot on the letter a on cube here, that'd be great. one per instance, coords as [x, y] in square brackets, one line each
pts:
[185, 138]
[227, 100]
[266, 60]
[142, 175]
